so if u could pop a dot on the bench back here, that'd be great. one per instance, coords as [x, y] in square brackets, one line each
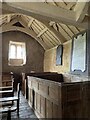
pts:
[6, 86]
[6, 80]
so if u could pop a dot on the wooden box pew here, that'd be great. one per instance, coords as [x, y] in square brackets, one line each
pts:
[53, 76]
[24, 80]
[51, 99]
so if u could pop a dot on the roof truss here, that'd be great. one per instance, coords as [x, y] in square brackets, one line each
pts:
[47, 12]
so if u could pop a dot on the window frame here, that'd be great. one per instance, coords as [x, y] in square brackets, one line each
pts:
[15, 59]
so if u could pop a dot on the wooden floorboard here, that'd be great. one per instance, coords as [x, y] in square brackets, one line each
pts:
[25, 112]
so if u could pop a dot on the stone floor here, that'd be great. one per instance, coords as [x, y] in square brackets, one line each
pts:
[25, 113]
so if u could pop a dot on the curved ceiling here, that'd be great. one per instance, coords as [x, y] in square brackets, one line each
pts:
[48, 33]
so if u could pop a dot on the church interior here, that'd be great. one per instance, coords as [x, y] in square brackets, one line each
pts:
[45, 59]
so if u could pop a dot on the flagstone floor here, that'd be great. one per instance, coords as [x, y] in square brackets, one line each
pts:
[25, 112]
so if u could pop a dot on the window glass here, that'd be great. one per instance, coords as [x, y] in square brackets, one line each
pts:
[19, 51]
[12, 53]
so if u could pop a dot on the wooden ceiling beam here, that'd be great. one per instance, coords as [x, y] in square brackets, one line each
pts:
[65, 27]
[35, 29]
[8, 18]
[23, 22]
[48, 40]
[60, 25]
[70, 5]
[72, 29]
[27, 31]
[60, 37]
[12, 22]
[81, 9]
[42, 32]
[37, 25]
[53, 37]
[61, 4]
[63, 32]
[30, 22]
[41, 9]
[9, 27]
[45, 12]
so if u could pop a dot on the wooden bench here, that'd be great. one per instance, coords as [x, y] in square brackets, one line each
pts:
[6, 79]
[7, 99]
[6, 88]
[10, 108]
[7, 91]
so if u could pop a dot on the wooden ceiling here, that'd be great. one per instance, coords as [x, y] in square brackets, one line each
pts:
[50, 23]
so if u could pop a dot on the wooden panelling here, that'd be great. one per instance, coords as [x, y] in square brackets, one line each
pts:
[53, 92]
[72, 110]
[55, 111]
[25, 88]
[43, 89]
[38, 103]
[74, 92]
[34, 84]
[30, 96]
[86, 100]
[6, 83]
[29, 83]
[6, 80]
[60, 100]
[48, 109]
[43, 104]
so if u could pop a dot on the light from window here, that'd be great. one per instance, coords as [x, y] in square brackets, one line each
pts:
[17, 53]
[12, 53]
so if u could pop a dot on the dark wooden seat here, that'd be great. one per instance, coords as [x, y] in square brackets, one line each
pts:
[7, 91]
[8, 110]
[6, 99]
[6, 80]
[6, 88]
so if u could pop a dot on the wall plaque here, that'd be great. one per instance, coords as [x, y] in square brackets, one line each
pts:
[79, 53]
[59, 53]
